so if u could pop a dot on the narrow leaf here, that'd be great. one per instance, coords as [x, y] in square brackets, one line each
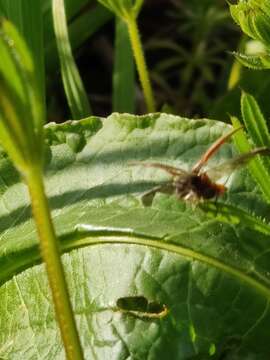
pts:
[255, 123]
[21, 109]
[80, 28]
[254, 120]
[28, 19]
[256, 166]
[124, 71]
[256, 62]
[74, 88]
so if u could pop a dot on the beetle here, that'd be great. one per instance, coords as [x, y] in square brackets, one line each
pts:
[198, 184]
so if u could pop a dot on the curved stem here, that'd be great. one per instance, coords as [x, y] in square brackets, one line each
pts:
[140, 62]
[51, 257]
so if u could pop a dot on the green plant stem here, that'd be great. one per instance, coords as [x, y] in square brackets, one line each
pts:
[140, 62]
[51, 256]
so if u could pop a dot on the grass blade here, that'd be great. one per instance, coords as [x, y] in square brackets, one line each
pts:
[80, 29]
[74, 88]
[123, 73]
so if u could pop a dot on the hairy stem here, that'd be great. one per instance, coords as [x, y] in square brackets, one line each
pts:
[51, 257]
[140, 62]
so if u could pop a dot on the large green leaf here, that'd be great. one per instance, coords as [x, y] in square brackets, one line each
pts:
[159, 282]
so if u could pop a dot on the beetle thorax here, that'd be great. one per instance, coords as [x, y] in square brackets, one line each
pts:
[196, 187]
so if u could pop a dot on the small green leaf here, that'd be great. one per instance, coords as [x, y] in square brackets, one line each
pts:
[255, 166]
[256, 62]
[254, 120]
[255, 124]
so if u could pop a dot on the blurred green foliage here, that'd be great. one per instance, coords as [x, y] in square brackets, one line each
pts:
[187, 46]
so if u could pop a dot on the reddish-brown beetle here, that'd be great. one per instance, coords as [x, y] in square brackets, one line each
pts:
[197, 184]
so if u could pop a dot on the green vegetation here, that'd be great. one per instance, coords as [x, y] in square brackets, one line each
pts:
[87, 271]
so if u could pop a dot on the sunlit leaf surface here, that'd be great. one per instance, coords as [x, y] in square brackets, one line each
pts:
[163, 282]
